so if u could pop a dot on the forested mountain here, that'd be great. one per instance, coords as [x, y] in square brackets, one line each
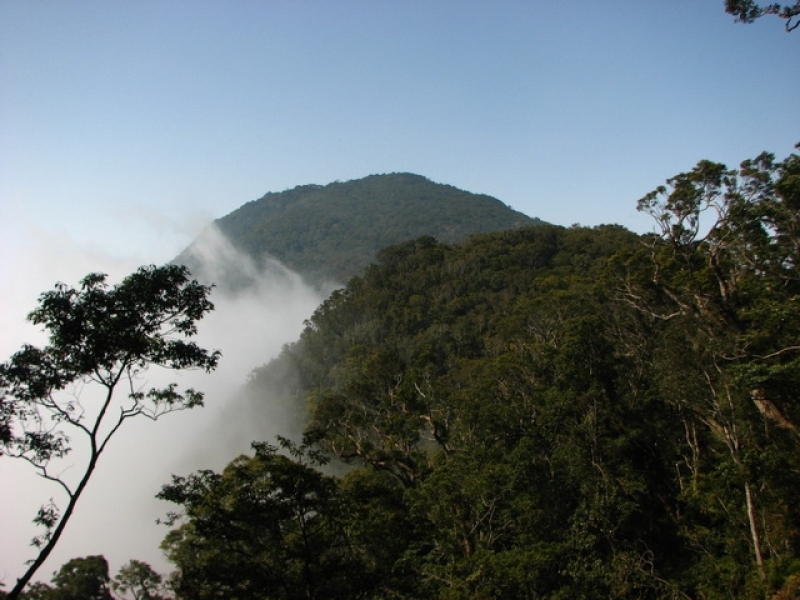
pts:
[537, 413]
[332, 232]
[542, 412]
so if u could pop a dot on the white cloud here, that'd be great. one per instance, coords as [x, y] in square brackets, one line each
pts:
[116, 516]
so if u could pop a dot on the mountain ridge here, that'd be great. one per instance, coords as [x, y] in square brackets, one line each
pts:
[332, 232]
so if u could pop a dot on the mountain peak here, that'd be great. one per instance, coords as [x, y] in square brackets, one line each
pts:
[332, 232]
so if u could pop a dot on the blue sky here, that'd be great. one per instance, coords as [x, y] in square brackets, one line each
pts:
[125, 127]
[129, 125]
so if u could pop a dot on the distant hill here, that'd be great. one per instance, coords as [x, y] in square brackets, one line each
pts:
[332, 232]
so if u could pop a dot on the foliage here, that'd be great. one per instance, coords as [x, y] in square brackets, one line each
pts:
[546, 412]
[39, 591]
[102, 337]
[748, 11]
[138, 579]
[78, 579]
[332, 232]
[618, 414]
[726, 293]
[268, 526]
[87, 578]
[83, 579]
[449, 375]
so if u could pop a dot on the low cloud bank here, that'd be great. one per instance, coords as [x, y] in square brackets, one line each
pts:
[258, 309]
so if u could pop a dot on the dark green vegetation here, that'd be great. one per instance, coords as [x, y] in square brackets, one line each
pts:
[332, 232]
[104, 338]
[748, 11]
[536, 413]
[87, 578]
[79, 579]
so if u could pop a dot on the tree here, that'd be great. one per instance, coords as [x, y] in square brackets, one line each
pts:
[483, 382]
[87, 578]
[728, 294]
[747, 11]
[140, 580]
[105, 338]
[39, 591]
[78, 579]
[82, 579]
[267, 527]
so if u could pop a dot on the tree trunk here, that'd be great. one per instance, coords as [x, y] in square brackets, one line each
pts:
[51, 543]
[756, 537]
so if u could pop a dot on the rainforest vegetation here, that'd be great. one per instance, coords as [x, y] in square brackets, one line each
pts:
[332, 232]
[493, 407]
[541, 412]
[537, 413]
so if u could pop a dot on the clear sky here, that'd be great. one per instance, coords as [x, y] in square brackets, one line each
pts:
[128, 125]
[125, 127]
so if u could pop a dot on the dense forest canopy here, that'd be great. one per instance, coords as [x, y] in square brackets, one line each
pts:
[540, 412]
[487, 409]
[332, 232]
[546, 412]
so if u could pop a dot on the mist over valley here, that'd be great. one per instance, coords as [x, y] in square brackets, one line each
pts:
[261, 304]
[372, 301]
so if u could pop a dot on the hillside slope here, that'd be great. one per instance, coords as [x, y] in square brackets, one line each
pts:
[527, 416]
[333, 232]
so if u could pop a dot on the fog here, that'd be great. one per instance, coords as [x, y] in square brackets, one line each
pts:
[117, 514]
